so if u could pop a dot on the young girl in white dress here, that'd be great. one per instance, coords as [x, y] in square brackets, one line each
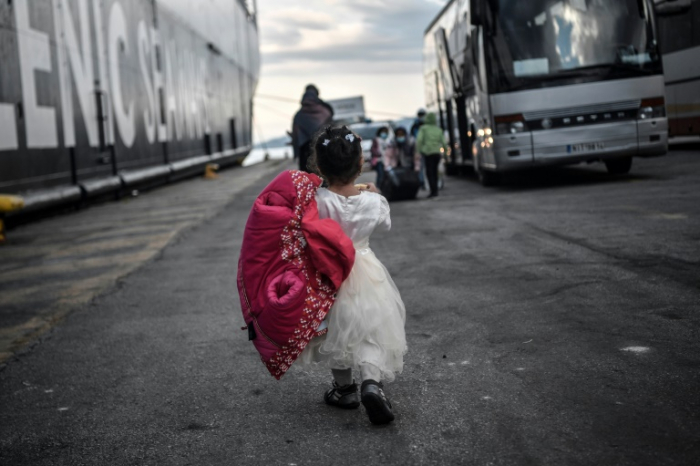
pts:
[366, 323]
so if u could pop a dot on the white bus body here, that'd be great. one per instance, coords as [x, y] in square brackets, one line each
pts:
[546, 82]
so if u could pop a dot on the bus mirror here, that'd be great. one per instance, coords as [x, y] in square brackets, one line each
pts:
[476, 12]
[671, 7]
[468, 87]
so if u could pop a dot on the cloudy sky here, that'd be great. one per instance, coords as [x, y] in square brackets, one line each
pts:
[345, 47]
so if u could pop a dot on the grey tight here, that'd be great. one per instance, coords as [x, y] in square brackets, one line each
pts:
[344, 376]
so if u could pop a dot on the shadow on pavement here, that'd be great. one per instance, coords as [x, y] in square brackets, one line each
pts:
[685, 146]
[562, 177]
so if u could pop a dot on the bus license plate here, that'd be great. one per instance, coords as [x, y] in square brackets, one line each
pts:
[585, 147]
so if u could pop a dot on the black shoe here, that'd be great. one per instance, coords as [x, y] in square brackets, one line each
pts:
[376, 404]
[344, 397]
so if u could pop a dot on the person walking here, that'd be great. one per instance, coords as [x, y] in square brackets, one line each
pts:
[366, 323]
[313, 115]
[431, 145]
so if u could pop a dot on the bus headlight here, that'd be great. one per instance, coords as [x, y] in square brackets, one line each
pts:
[510, 124]
[652, 108]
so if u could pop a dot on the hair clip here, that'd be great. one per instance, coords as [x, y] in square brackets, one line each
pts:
[350, 137]
[326, 142]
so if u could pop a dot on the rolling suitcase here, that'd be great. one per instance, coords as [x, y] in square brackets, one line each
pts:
[400, 184]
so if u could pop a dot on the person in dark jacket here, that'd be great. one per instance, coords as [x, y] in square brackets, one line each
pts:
[313, 115]
[418, 122]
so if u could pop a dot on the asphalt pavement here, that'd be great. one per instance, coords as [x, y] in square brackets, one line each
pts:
[551, 321]
[50, 267]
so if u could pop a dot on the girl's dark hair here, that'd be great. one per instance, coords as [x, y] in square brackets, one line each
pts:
[336, 153]
[380, 129]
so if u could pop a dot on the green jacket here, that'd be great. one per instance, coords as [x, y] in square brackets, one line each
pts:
[430, 137]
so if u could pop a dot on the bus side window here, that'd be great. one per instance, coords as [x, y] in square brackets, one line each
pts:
[676, 32]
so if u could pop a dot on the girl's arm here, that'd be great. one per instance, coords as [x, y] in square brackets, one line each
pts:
[368, 187]
[384, 214]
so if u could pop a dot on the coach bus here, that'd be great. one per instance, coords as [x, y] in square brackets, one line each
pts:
[679, 40]
[521, 84]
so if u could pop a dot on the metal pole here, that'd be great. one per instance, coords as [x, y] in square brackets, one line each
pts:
[450, 128]
[437, 92]
[465, 143]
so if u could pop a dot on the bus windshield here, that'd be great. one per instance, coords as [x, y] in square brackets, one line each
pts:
[544, 43]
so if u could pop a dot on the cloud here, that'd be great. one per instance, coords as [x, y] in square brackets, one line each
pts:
[346, 69]
[366, 48]
[284, 28]
[298, 18]
[346, 47]
[274, 34]
[375, 32]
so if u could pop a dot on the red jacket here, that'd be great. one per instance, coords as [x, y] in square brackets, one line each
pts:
[290, 267]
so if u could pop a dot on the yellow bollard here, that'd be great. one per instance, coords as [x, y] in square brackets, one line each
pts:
[8, 204]
[210, 171]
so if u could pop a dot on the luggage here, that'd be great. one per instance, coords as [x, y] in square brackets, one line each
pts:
[400, 183]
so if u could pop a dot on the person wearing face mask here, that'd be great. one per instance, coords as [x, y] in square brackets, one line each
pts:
[417, 123]
[402, 152]
[380, 145]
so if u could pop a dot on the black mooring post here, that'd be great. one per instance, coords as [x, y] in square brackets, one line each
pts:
[74, 176]
[234, 141]
[166, 154]
[207, 144]
[73, 166]
[113, 159]
[115, 169]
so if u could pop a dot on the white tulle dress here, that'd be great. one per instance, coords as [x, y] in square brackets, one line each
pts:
[366, 323]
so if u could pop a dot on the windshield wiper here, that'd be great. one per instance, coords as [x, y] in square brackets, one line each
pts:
[581, 72]
[603, 71]
[592, 70]
[638, 68]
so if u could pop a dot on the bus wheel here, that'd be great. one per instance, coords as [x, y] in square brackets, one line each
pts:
[451, 169]
[487, 178]
[619, 166]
